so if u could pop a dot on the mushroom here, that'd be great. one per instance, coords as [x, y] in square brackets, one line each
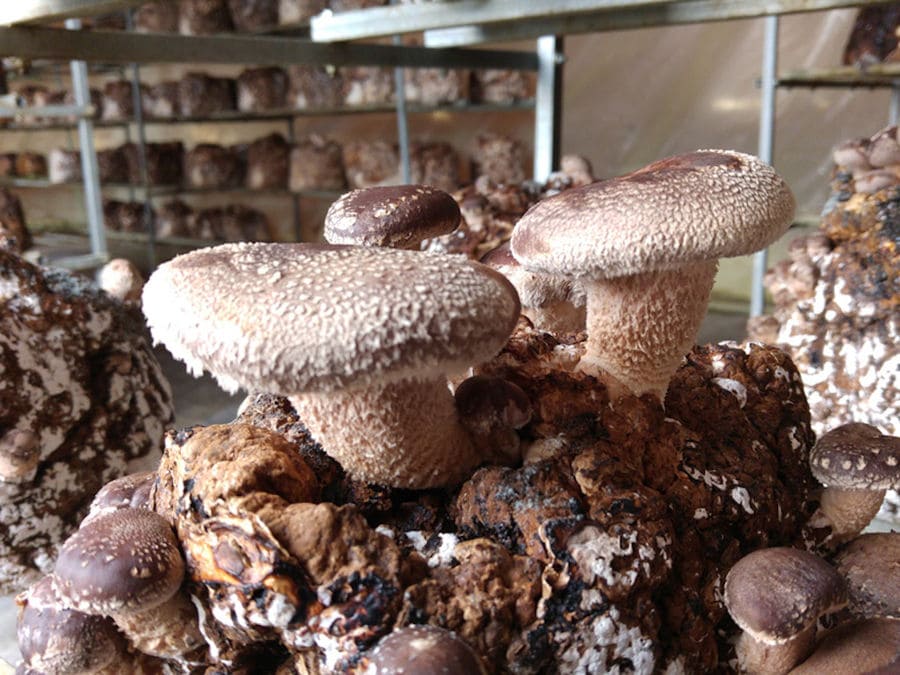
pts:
[884, 150]
[55, 640]
[128, 492]
[127, 565]
[776, 595]
[552, 303]
[645, 247]
[870, 182]
[399, 216]
[20, 454]
[359, 339]
[492, 408]
[857, 464]
[423, 650]
[870, 565]
[852, 155]
[869, 646]
[121, 279]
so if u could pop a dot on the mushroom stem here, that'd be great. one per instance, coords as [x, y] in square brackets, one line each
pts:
[640, 326]
[403, 434]
[848, 511]
[758, 658]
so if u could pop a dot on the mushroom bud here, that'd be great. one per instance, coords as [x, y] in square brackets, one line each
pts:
[852, 155]
[857, 464]
[127, 565]
[492, 408]
[884, 150]
[121, 279]
[645, 248]
[552, 303]
[399, 216]
[776, 595]
[424, 650]
[359, 339]
[20, 454]
[128, 492]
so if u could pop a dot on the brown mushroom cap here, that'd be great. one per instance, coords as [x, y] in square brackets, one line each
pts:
[852, 155]
[884, 149]
[856, 456]
[535, 290]
[870, 646]
[55, 640]
[776, 593]
[290, 318]
[125, 561]
[399, 216]
[870, 565]
[694, 207]
[424, 650]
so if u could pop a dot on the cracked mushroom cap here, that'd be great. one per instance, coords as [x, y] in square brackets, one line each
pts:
[694, 207]
[55, 640]
[774, 594]
[123, 562]
[292, 318]
[856, 456]
[424, 650]
[398, 216]
[870, 565]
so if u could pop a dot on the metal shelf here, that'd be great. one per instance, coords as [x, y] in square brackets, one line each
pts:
[877, 76]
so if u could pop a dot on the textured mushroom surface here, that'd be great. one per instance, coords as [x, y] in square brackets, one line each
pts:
[870, 564]
[857, 456]
[81, 396]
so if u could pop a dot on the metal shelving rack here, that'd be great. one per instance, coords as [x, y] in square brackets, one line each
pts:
[448, 29]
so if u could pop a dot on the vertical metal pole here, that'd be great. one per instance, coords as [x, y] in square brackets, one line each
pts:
[89, 170]
[402, 121]
[766, 145]
[138, 105]
[547, 106]
[894, 111]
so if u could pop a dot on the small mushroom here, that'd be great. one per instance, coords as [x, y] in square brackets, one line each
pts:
[869, 646]
[400, 216]
[884, 150]
[127, 565]
[121, 279]
[645, 247]
[360, 340]
[492, 408]
[870, 182]
[776, 595]
[552, 303]
[55, 640]
[128, 492]
[20, 454]
[852, 155]
[857, 464]
[424, 650]
[577, 168]
[870, 565]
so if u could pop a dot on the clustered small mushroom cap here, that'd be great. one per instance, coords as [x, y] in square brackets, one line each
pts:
[399, 216]
[122, 562]
[856, 456]
[307, 317]
[424, 650]
[56, 640]
[645, 247]
[776, 595]
[870, 565]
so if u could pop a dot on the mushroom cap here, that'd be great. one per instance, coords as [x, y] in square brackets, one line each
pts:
[127, 492]
[397, 216]
[55, 640]
[870, 565]
[534, 289]
[294, 318]
[121, 279]
[869, 646]
[118, 563]
[856, 456]
[694, 207]
[424, 650]
[776, 593]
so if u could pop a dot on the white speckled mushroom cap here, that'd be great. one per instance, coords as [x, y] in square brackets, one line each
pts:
[294, 318]
[698, 206]
[856, 456]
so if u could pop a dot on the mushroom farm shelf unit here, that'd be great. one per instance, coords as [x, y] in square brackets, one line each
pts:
[25, 37]
[446, 26]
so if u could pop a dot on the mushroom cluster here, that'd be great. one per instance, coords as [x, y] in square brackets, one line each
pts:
[422, 479]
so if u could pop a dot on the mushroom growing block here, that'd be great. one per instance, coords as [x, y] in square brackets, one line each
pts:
[645, 248]
[360, 339]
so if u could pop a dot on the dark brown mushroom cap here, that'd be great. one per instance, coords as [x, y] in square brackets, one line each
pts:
[54, 640]
[424, 650]
[397, 216]
[694, 207]
[871, 646]
[870, 565]
[122, 562]
[131, 491]
[776, 593]
[292, 318]
[856, 456]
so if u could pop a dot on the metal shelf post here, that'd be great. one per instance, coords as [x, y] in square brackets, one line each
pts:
[548, 106]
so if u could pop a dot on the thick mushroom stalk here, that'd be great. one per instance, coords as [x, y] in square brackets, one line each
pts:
[644, 247]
